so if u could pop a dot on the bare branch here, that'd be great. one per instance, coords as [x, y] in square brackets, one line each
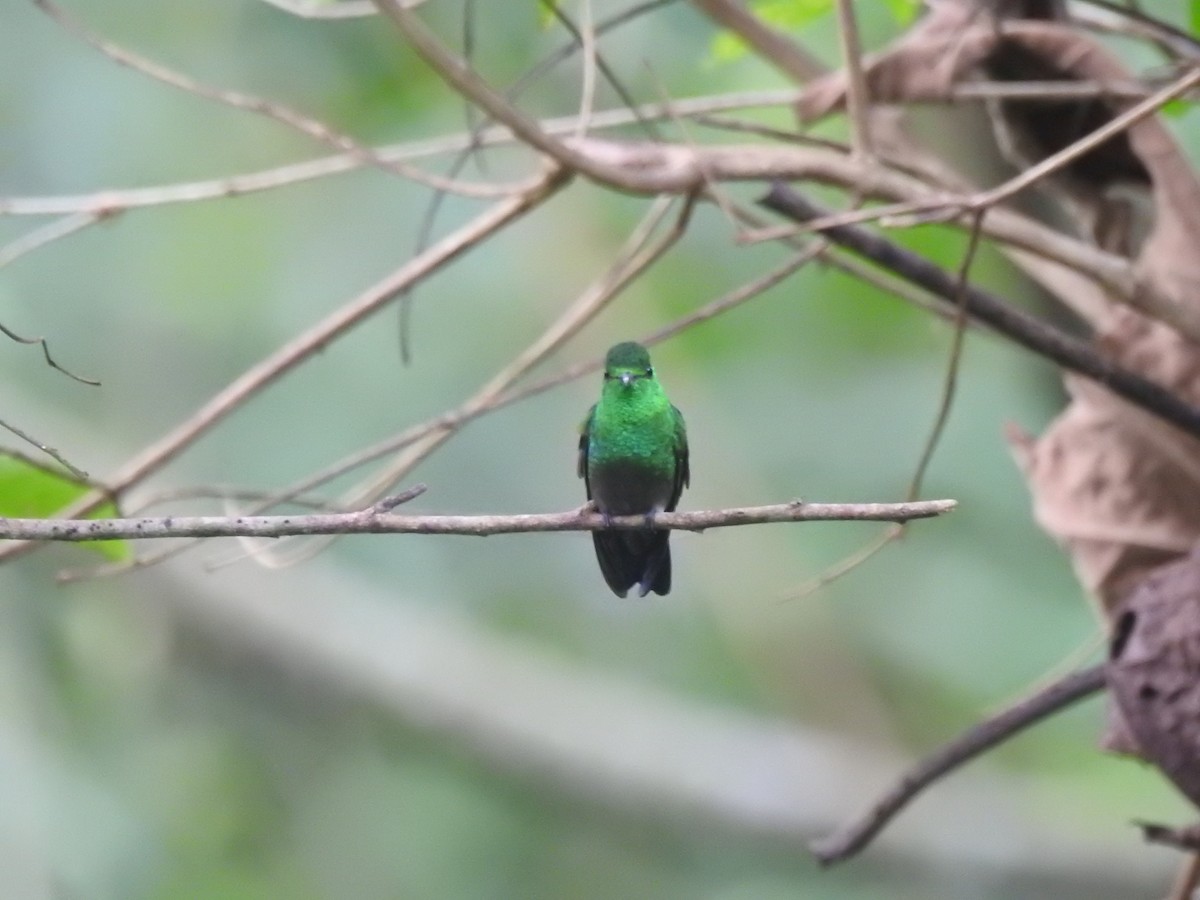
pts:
[857, 99]
[984, 736]
[48, 234]
[377, 520]
[41, 341]
[950, 384]
[45, 448]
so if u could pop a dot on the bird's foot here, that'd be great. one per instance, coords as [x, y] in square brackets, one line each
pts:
[592, 507]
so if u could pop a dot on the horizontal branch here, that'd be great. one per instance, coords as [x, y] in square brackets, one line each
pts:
[378, 519]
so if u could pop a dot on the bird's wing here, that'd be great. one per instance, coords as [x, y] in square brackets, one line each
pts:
[581, 466]
[682, 472]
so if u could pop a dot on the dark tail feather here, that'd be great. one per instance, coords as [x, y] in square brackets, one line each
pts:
[629, 558]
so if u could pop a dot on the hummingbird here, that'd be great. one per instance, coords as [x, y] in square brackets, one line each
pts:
[633, 458]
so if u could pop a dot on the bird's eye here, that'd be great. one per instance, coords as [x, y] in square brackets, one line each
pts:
[608, 376]
[649, 372]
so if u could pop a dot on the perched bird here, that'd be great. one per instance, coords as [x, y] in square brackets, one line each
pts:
[633, 457]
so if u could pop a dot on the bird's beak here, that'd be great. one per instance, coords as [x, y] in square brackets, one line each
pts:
[626, 379]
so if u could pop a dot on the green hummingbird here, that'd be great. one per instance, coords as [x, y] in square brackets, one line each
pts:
[633, 458]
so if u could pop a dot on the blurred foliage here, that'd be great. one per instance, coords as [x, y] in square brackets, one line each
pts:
[28, 490]
[797, 15]
[141, 758]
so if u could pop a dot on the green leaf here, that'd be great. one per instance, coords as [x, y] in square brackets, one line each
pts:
[1173, 109]
[546, 10]
[903, 11]
[1195, 18]
[31, 491]
[787, 15]
[727, 47]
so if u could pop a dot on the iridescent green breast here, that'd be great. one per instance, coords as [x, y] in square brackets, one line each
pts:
[634, 434]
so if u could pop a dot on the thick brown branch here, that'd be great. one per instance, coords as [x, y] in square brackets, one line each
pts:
[378, 520]
[1015, 324]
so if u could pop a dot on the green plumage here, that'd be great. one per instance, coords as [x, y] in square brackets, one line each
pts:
[633, 457]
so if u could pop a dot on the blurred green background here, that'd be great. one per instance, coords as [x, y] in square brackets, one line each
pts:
[441, 717]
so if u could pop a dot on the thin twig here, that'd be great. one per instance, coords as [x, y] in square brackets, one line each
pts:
[956, 347]
[77, 472]
[48, 234]
[857, 99]
[845, 565]
[585, 36]
[1048, 91]
[855, 836]
[42, 342]
[377, 519]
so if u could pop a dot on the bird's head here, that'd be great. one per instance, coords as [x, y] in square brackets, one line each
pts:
[627, 366]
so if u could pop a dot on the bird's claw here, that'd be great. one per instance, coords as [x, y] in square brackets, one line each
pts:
[592, 507]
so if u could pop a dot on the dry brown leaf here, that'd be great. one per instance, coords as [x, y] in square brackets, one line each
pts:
[1154, 670]
[1116, 486]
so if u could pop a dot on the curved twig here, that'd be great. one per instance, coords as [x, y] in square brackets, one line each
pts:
[13, 336]
[859, 833]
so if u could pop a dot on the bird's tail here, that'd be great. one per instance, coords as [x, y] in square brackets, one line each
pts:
[629, 558]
